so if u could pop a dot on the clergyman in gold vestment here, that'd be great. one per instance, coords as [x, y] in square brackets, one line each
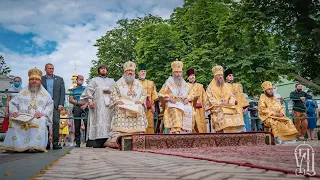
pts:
[272, 114]
[175, 90]
[226, 116]
[237, 89]
[152, 96]
[196, 89]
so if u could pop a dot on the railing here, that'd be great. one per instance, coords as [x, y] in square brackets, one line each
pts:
[68, 106]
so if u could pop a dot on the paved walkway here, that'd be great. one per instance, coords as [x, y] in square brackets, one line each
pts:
[88, 163]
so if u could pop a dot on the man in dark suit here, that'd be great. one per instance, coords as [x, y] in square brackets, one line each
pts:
[55, 86]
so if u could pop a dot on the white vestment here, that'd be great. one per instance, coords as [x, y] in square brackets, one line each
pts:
[129, 119]
[99, 118]
[33, 134]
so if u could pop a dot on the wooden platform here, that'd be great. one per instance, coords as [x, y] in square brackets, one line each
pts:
[167, 141]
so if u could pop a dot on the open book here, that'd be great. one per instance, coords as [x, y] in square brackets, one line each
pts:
[130, 105]
[23, 117]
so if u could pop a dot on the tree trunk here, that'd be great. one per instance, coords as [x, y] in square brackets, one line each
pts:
[305, 82]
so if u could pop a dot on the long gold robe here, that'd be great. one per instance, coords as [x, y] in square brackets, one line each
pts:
[240, 98]
[280, 126]
[173, 117]
[226, 118]
[196, 89]
[152, 96]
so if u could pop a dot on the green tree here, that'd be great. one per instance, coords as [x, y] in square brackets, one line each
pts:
[157, 47]
[296, 27]
[4, 69]
[118, 45]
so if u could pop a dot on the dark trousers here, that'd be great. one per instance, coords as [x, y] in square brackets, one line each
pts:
[77, 113]
[55, 127]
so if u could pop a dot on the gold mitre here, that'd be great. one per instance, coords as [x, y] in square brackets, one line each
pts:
[176, 66]
[129, 66]
[266, 85]
[217, 70]
[35, 73]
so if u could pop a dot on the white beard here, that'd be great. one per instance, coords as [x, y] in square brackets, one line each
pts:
[128, 78]
[34, 89]
[178, 80]
[142, 77]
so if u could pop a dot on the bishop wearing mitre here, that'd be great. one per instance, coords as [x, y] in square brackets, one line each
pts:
[128, 99]
[31, 112]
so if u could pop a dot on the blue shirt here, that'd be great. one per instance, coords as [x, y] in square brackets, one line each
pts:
[76, 92]
[49, 82]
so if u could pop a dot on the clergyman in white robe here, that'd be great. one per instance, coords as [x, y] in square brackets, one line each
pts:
[99, 118]
[32, 135]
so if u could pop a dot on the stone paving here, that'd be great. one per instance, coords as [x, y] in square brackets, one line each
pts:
[89, 163]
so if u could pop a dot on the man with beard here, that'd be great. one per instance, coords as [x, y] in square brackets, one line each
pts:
[97, 94]
[226, 116]
[196, 89]
[152, 96]
[299, 110]
[272, 114]
[175, 91]
[55, 86]
[129, 101]
[31, 112]
[237, 89]
[80, 108]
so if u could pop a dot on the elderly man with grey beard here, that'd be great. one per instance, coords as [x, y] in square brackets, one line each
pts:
[128, 99]
[178, 113]
[31, 112]
[226, 116]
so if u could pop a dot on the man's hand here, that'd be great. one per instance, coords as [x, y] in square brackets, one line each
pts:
[172, 100]
[107, 91]
[120, 103]
[302, 98]
[83, 107]
[91, 105]
[255, 107]
[185, 101]
[279, 115]
[226, 104]
[60, 107]
[38, 114]
[15, 114]
[138, 102]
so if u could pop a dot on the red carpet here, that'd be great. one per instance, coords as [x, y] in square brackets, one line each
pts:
[277, 158]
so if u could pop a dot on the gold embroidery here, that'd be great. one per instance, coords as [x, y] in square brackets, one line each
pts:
[38, 137]
[27, 141]
[24, 93]
[14, 138]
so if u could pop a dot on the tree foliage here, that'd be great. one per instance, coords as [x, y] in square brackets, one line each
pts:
[258, 39]
[4, 69]
[118, 45]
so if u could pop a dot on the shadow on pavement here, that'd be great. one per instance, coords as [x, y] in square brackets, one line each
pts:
[24, 165]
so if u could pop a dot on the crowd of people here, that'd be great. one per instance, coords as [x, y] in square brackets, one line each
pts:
[127, 106]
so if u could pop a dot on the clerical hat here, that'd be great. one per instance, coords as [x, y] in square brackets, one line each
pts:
[142, 66]
[227, 72]
[190, 72]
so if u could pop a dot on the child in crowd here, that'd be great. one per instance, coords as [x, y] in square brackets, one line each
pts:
[64, 130]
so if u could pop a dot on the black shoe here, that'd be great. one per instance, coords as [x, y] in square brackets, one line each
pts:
[48, 147]
[78, 145]
[56, 147]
